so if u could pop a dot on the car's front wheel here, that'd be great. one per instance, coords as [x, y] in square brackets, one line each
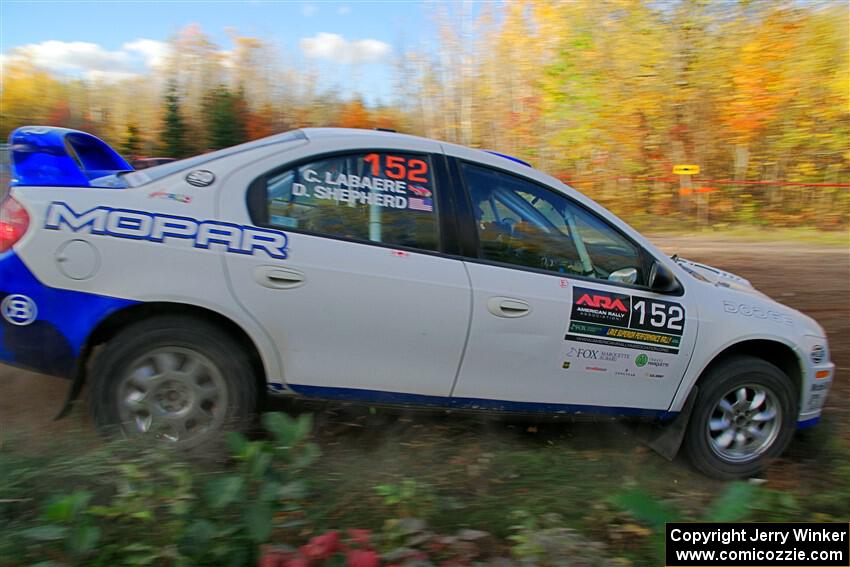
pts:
[175, 378]
[744, 416]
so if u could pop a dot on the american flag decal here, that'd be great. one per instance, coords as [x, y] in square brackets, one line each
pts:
[419, 190]
[417, 204]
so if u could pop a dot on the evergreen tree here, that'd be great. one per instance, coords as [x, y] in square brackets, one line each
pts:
[132, 145]
[226, 118]
[174, 134]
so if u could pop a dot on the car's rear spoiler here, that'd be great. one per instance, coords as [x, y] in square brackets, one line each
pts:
[59, 157]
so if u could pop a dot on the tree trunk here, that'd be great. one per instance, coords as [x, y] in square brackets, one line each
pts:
[742, 161]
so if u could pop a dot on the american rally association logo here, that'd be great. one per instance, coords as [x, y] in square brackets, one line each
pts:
[641, 360]
[603, 307]
[19, 309]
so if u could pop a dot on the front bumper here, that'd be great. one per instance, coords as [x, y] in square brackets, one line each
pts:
[817, 380]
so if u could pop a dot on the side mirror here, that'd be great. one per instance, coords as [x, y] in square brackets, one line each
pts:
[624, 275]
[662, 279]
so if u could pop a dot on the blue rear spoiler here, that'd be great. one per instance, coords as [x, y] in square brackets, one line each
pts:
[59, 157]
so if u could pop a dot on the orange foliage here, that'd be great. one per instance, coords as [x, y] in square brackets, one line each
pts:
[259, 124]
[354, 115]
[60, 115]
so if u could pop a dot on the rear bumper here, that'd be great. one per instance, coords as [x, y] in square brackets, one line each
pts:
[62, 320]
[39, 347]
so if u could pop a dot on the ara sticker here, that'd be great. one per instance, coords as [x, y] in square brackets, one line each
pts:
[642, 323]
[200, 177]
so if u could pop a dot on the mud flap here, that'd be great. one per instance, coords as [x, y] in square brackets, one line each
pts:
[666, 441]
[73, 394]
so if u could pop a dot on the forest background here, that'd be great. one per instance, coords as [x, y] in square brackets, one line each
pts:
[608, 96]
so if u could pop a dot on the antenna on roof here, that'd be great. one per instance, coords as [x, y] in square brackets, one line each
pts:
[386, 130]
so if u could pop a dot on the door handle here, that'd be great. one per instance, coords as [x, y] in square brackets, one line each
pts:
[278, 278]
[508, 307]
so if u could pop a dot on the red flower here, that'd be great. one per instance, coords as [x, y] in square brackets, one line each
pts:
[271, 557]
[321, 547]
[297, 562]
[269, 560]
[362, 558]
[360, 537]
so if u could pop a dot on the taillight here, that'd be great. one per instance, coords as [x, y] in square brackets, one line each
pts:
[14, 222]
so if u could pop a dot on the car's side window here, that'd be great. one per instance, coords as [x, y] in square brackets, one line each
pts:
[525, 224]
[376, 196]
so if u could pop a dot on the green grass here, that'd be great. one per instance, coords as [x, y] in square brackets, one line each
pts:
[475, 474]
[465, 472]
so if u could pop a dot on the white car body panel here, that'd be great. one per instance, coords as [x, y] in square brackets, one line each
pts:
[364, 318]
[414, 323]
[524, 358]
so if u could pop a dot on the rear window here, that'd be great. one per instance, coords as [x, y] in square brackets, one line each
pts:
[380, 197]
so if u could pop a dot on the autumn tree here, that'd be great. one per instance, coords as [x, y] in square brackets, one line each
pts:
[354, 115]
[261, 122]
[174, 133]
[608, 95]
[132, 145]
[60, 115]
[225, 115]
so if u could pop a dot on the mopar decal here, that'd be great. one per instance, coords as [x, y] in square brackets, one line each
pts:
[157, 227]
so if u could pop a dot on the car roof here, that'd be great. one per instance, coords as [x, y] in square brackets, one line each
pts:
[316, 133]
[386, 137]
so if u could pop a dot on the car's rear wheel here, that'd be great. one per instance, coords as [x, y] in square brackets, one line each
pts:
[173, 378]
[744, 417]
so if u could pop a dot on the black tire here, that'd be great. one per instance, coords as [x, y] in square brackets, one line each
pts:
[222, 385]
[723, 381]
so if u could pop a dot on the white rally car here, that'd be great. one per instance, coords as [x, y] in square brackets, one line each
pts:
[383, 268]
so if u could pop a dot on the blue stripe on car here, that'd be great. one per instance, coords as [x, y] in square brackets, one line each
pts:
[805, 424]
[399, 398]
[53, 342]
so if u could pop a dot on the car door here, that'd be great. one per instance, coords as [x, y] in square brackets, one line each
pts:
[364, 304]
[562, 318]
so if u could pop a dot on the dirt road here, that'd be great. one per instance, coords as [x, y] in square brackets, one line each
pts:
[814, 279]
